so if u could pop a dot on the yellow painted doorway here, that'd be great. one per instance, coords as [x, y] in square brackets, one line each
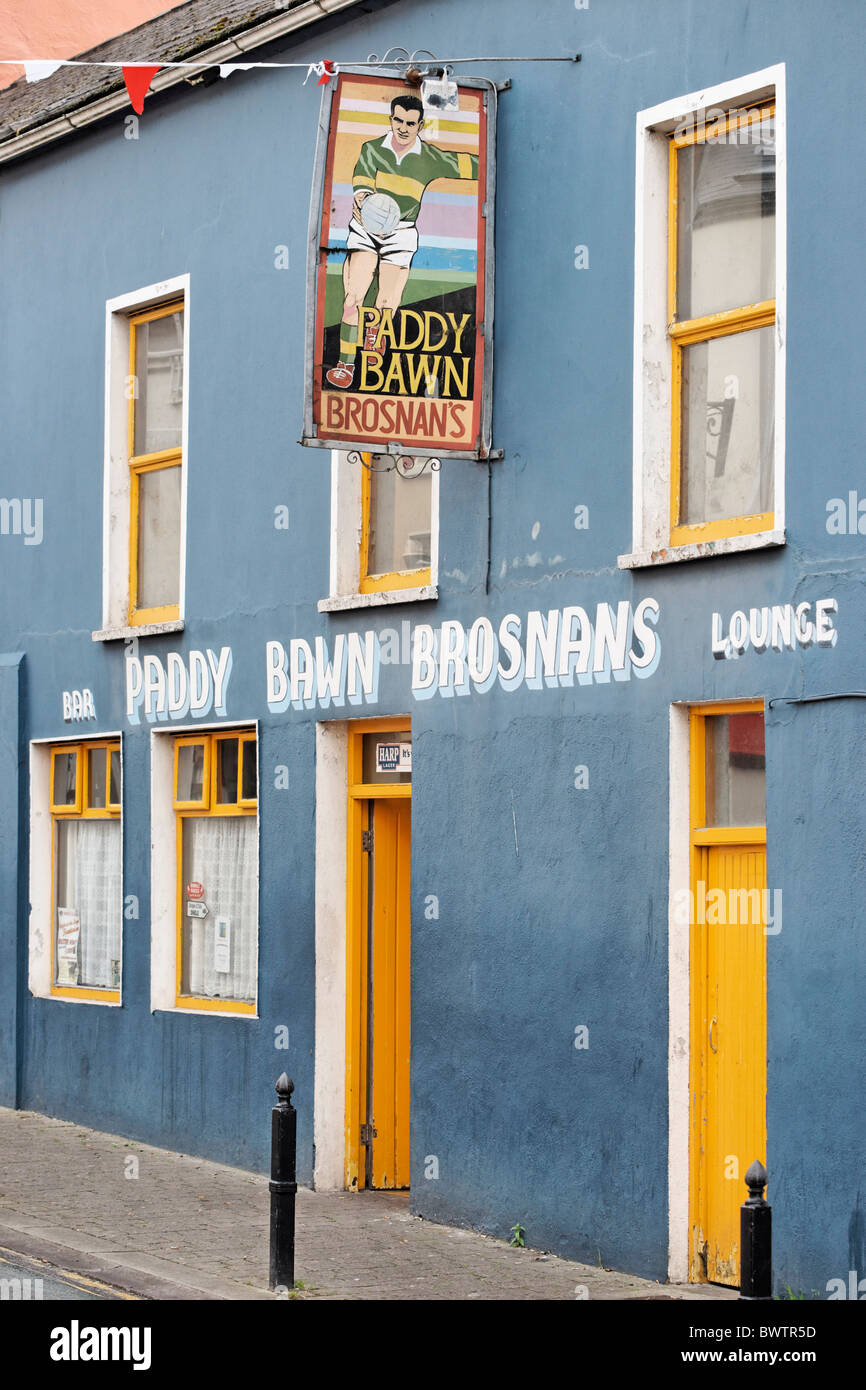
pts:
[728, 970]
[378, 957]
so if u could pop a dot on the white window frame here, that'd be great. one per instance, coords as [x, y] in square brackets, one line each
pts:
[41, 924]
[652, 347]
[116, 476]
[163, 871]
[345, 566]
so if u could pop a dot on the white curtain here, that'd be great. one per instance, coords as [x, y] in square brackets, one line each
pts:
[89, 885]
[221, 853]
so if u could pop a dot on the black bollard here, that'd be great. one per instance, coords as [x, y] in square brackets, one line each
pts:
[284, 1123]
[756, 1239]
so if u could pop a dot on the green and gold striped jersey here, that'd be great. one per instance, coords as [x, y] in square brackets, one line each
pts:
[378, 168]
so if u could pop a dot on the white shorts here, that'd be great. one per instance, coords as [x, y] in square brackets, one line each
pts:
[396, 249]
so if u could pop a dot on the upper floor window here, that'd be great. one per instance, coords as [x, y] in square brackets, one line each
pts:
[709, 332]
[396, 503]
[722, 309]
[144, 490]
[156, 377]
[384, 529]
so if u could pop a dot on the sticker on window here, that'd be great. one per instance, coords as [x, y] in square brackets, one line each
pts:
[222, 946]
[393, 757]
[68, 936]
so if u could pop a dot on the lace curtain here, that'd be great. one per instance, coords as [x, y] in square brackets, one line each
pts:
[89, 888]
[220, 853]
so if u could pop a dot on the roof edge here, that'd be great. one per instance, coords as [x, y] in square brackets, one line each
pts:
[227, 51]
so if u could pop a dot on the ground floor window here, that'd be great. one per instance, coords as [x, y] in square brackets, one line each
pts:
[216, 808]
[86, 872]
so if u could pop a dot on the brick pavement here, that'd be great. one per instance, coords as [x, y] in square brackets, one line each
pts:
[189, 1228]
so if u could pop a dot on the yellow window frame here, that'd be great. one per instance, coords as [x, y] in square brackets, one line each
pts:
[209, 806]
[700, 833]
[189, 741]
[397, 579]
[79, 811]
[105, 746]
[249, 740]
[687, 332]
[145, 463]
[58, 807]
[110, 787]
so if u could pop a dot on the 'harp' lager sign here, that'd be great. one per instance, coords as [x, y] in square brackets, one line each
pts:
[400, 285]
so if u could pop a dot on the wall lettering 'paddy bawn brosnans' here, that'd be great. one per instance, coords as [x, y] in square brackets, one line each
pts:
[554, 649]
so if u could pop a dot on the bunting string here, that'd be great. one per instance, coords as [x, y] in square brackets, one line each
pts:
[45, 67]
[139, 74]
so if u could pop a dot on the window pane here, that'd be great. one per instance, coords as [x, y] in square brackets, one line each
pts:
[89, 905]
[114, 795]
[159, 373]
[96, 769]
[726, 221]
[249, 774]
[384, 757]
[158, 538]
[190, 772]
[399, 522]
[219, 950]
[727, 427]
[227, 771]
[736, 775]
[65, 768]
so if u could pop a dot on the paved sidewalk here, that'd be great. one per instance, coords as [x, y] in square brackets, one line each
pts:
[187, 1228]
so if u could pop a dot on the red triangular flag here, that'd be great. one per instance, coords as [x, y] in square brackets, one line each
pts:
[138, 80]
[327, 71]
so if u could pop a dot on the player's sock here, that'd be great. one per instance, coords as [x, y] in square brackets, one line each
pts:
[348, 342]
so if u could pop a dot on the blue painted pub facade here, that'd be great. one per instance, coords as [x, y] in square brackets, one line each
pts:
[611, 651]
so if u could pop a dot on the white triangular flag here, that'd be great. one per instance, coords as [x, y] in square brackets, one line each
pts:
[37, 68]
[226, 69]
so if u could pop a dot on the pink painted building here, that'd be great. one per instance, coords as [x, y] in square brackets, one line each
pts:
[56, 29]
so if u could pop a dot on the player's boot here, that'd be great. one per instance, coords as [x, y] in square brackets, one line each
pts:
[371, 338]
[341, 375]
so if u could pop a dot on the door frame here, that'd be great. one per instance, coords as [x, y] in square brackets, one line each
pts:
[700, 842]
[359, 794]
[680, 983]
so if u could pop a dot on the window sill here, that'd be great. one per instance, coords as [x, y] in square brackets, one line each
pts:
[338, 603]
[124, 634]
[205, 1013]
[69, 996]
[727, 545]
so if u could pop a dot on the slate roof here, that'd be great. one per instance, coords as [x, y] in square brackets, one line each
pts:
[178, 35]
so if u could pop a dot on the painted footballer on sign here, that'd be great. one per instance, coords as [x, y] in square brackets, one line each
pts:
[383, 236]
[400, 276]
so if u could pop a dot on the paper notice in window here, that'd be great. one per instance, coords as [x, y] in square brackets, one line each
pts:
[222, 946]
[68, 937]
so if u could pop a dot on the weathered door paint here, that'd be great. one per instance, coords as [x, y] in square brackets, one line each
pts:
[728, 955]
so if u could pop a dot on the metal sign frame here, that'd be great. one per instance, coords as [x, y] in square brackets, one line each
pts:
[483, 450]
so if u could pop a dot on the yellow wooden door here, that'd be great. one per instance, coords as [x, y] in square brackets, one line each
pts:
[728, 967]
[734, 1047]
[388, 1021]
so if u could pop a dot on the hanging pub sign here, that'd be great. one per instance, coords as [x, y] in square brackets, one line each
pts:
[400, 275]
